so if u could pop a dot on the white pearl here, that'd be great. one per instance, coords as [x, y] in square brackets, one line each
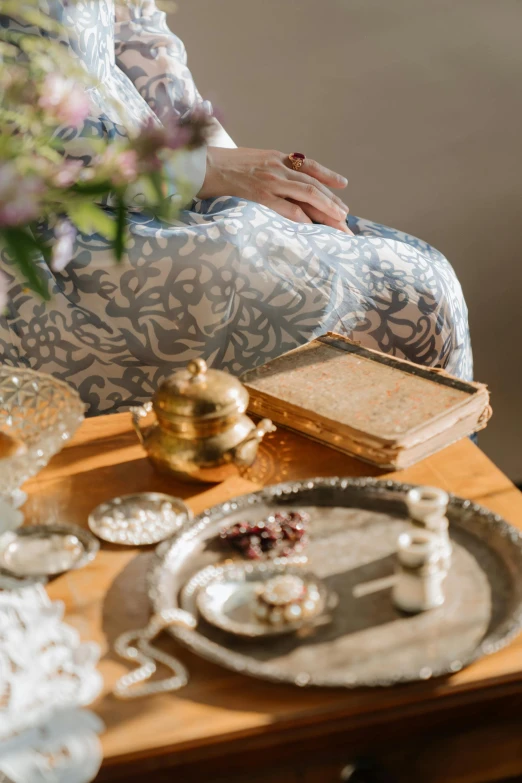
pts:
[293, 613]
[261, 612]
[309, 608]
[313, 593]
[276, 616]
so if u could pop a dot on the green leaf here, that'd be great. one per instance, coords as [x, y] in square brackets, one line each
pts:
[44, 249]
[156, 181]
[30, 15]
[143, 185]
[8, 50]
[121, 229]
[92, 188]
[24, 249]
[46, 151]
[89, 218]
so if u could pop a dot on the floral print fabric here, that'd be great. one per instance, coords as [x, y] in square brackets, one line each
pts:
[230, 280]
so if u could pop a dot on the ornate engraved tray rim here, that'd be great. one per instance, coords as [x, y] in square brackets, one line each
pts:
[483, 521]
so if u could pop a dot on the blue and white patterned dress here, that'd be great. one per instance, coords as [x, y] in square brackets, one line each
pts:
[231, 280]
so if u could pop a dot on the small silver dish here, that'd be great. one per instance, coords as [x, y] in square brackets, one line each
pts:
[227, 596]
[46, 550]
[139, 519]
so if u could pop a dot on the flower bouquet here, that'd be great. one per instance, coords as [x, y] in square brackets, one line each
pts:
[41, 186]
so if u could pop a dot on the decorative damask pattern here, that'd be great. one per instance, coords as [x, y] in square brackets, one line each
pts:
[231, 280]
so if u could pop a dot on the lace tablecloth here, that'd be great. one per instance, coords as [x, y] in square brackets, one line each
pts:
[46, 676]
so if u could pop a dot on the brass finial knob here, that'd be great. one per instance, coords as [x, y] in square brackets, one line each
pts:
[197, 367]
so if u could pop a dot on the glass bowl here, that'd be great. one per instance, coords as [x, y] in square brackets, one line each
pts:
[41, 412]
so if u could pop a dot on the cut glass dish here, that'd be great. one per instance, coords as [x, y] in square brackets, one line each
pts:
[41, 412]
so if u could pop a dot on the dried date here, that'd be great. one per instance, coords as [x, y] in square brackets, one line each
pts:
[280, 534]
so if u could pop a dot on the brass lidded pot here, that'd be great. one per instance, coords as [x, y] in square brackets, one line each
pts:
[201, 431]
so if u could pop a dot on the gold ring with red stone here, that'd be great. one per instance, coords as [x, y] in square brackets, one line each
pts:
[296, 159]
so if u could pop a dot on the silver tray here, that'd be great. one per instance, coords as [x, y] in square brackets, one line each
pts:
[353, 532]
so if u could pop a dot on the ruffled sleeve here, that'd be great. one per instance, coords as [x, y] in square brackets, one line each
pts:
[155, 61]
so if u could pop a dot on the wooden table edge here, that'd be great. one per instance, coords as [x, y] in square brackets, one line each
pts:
[300, 728]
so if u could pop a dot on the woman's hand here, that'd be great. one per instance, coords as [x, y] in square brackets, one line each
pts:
[266, 177]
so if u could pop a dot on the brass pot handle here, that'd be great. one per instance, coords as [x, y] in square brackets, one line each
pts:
[135, 646]
[263, 428]
[137, 413]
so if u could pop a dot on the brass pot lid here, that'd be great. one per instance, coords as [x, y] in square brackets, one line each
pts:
[198, 392]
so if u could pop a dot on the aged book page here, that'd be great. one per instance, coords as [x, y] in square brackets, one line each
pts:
[364, 402]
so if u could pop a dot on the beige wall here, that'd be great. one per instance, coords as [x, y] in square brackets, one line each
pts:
[419, 103]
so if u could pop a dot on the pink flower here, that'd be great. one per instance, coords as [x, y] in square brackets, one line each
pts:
[64, 100]
[128, 166]
[67, 174]
[120, 166]
[178, 133]
[197, 123]
[62, 250]
[149, 144]
[155, 139]
[3, 292]
[19, 196]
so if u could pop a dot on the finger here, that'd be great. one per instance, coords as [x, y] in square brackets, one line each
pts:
[298, 176]
[324, 175]
[310, 193]
[287, 209]
[325, 220]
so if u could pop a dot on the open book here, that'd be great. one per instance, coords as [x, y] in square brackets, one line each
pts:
[376, 407]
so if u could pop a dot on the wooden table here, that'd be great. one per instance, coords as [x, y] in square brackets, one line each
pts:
[223, 726]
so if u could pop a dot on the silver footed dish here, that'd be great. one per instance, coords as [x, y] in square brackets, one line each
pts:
[231, 596]
[139, 519]
[46, 550]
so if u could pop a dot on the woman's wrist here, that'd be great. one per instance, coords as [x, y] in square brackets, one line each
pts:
[210, 182]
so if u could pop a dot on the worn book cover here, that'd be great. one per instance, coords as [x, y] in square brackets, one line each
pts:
[382, 409]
